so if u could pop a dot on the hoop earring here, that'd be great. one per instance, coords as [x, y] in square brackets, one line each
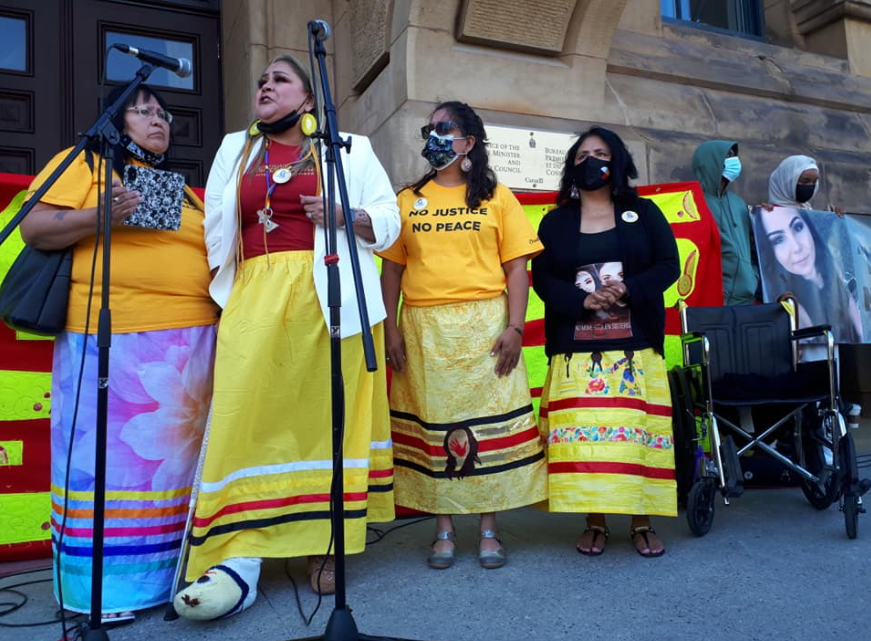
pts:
[574, 194]
[466, 164]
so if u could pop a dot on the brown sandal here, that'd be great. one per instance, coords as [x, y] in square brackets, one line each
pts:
[643, 531]
[598, 530]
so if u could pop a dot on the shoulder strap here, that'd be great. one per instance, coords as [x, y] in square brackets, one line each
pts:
[89, 159]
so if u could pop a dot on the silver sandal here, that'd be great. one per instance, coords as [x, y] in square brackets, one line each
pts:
[443, 560]
[491, 559]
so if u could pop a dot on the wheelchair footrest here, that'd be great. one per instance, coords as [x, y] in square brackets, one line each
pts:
[731, 469]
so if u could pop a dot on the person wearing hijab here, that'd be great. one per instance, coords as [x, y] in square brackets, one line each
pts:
[794, 183]
[716, 166]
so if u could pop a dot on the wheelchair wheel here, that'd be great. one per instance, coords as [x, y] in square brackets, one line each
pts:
[684, 434]
[700, 506]
[850, 479]
[818, 456]
[851, 515]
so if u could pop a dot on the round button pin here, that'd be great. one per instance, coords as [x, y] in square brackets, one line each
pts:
[281, 176]
[420, 203]
[629, 216]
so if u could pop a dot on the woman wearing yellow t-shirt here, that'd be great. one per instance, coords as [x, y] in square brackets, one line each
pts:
[464, 432]
[160, 375]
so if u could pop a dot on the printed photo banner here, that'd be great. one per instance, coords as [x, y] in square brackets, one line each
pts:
[824, 260]
[700, 282]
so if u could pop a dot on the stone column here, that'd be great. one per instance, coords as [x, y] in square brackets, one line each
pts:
[839, 28]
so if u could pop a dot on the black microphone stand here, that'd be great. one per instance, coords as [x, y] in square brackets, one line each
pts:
[341, 625]
[109, 136]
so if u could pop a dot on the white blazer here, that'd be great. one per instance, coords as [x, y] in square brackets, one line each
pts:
[369, 188]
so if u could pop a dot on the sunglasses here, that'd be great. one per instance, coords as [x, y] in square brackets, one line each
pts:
[440, 128]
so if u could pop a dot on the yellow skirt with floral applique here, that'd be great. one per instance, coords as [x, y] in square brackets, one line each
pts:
[606, 417]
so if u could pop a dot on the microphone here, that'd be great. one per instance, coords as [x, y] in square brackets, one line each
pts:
[319, 29]
[179, 66]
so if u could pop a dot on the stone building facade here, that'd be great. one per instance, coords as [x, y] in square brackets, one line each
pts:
[561, 65]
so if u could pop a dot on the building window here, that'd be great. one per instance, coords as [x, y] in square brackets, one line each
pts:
[741, 16]
[122, 67]
[13, 35]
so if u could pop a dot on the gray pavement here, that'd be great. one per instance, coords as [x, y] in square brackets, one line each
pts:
[772, 567]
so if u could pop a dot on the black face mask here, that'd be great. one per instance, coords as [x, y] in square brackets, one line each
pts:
[591, 174]
[804, 193]
[282, 124]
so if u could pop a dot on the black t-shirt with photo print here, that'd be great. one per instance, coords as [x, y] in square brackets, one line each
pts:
[614, 327]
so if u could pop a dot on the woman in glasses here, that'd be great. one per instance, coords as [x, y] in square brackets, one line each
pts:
[160, 377]
[464, 433]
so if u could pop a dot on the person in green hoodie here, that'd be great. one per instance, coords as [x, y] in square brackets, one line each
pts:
[716, 165]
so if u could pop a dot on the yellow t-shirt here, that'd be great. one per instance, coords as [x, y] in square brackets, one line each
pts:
[159, 279]
[452, 253]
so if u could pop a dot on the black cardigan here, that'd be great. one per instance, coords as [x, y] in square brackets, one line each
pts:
[650, 266]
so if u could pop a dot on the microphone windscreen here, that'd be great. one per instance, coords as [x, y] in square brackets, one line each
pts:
[184, 68]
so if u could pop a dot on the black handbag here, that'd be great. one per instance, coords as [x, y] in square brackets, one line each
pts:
[36, 290]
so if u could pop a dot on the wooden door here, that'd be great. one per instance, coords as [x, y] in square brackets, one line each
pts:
[31, 129]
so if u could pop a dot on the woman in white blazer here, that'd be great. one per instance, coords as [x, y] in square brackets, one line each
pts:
[266, 476]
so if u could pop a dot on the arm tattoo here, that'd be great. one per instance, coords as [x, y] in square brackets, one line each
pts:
[362, 218]
[60, 214]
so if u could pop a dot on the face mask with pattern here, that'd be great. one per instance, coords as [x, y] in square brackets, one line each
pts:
[439, 151]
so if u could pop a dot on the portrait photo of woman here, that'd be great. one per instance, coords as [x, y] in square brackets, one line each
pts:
[794, 258]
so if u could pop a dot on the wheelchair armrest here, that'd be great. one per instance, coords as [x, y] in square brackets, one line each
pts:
[807, 332]
[691, 337]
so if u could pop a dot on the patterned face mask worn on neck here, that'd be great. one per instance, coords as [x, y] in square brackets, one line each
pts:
[732, 168]
[144, 155]
[439, 151]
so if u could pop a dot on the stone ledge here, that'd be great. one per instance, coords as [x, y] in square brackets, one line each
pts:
[684, 56]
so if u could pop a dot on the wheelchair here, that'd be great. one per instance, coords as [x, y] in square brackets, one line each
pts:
[745, 359]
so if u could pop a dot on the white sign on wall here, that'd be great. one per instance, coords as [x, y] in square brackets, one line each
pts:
[528, 160]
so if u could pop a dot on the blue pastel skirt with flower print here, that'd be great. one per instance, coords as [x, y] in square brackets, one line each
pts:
[160, 386]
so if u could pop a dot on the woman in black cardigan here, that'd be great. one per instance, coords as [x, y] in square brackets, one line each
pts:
[605, 410]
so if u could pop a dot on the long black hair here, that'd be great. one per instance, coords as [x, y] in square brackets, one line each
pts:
[826, 305]
[622, 167]
[480, 180]
[144, 93]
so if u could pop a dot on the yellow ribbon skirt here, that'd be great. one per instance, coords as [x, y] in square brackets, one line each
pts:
[606, 417]
[465, 440]
[266, 478]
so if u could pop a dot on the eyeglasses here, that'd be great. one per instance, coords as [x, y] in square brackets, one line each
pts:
[149, 112]
[441, 128]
